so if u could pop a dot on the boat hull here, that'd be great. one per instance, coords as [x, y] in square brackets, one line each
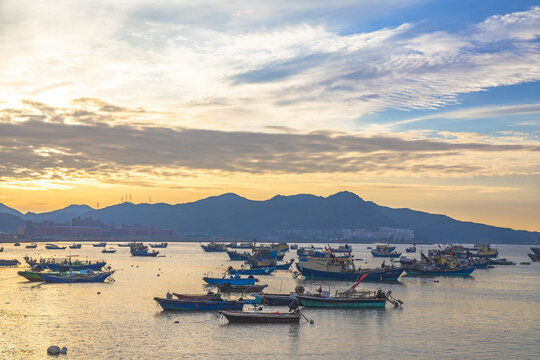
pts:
[392, 274]
[226, 288]
[260, 318]
[197, 305]
[207, 248]
[75, 279]
[312, 301]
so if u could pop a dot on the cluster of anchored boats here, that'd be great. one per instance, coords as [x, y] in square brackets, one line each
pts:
[72, 270]
[264, 260]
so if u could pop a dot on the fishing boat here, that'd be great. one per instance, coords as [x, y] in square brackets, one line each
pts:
[162, 245]
[214, 247]
[411, 249]
[350, 298]
[535, 250]
[17, 244]
[485, 250]
[102, 244]
[123, 245]
[341, 249]
[213, 304]
[235, 255]
[83, 276]
[31, 246]
[344, 270]
[262, 263]
[385, 253]
[75, 246]
[502, 261]
[228, 288]
[255, 271]
[54, 247]
[441, 265]
[9, 262]
[1, 249]
[293, 247]
[35, 274]
[108, 251]
[234, 279]
[254, 317]
[275, 299]
[139, 249]
[64, 264]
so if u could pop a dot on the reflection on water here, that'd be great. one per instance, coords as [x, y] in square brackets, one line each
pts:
[495, 313]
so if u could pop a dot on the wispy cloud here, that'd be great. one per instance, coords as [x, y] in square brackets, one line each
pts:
[221, 72]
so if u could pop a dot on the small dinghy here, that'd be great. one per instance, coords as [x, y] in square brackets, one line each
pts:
[255, 317]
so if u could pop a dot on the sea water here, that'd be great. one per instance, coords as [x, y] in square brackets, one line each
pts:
[493, 314]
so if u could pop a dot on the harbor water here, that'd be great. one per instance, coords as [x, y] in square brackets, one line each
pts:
[493, 314]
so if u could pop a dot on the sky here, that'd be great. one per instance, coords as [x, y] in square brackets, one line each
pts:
[425, 104]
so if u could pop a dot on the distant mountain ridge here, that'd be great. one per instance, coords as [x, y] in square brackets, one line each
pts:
[232, 215]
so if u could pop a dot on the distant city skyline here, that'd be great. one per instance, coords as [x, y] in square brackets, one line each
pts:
[421, 104]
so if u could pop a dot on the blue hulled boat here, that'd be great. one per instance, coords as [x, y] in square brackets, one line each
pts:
[235, 255]
[139, 249]
[230, 280]
[387, 254]
[54, 247]
[386, 274]
[198, 305]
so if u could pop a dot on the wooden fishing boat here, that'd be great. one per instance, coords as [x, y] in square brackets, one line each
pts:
[255, 271]
[83, 276]
[9, 262]
[108, 251]
[214, 247]
[75, 246]
[386, 254]
[237, 256]
[102, 244]
[139, 249]
[230, 280]
[275, 299]
[261, 317]
[123, 245]
[227, 288]
[502, 261]
[171, 304]
[344, 270]
[54, 247]
[31, 246]
[349, 298]
[162, 245]
[1, 249]
[17, 244]
[65, 264]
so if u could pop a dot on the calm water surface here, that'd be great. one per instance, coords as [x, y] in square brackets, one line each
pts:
[493, 314]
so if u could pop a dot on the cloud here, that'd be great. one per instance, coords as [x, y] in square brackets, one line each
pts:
[205, 66]
[65, 151]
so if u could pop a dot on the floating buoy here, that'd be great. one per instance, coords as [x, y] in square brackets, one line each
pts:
[63, 350]
[53, 350]
[176, 322]
[157, 274]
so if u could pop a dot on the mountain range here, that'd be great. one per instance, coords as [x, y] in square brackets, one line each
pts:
[233, 215]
